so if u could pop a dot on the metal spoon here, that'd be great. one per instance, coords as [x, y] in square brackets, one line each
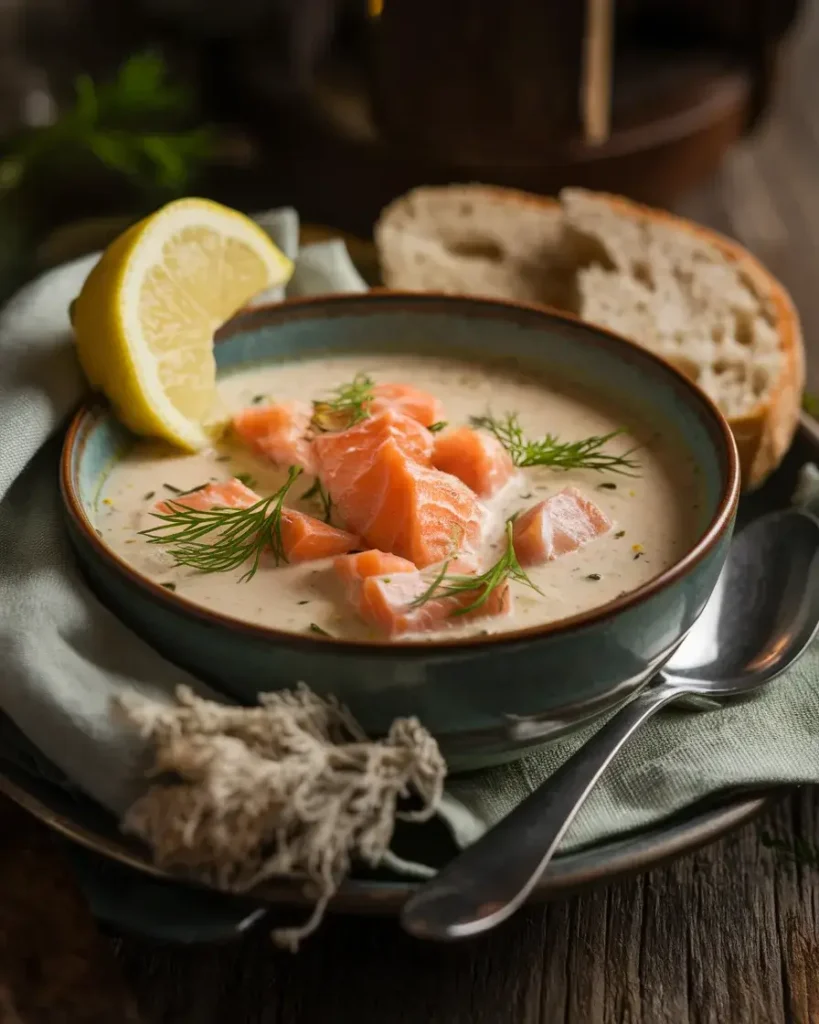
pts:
[762, 615]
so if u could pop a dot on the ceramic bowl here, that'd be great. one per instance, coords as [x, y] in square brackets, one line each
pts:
[487, 698]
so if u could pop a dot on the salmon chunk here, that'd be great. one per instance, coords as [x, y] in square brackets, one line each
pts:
[400, 506]
[404, 398]
[228, 494]
[278, 432]
[556, 526]
[352, 569]
[385, 602]
[305, 538]
[342, 457]
[480, 460]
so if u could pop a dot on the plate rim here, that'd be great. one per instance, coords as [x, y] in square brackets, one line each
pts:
[661, 842]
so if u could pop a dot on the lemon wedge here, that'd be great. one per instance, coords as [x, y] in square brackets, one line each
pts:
[145, 318]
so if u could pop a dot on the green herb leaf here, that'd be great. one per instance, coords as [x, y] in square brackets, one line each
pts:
[317, 629]
[237, 535]
[246, 479]
[129, 125]
[550, 451]
[810, 403]
[349, 404]
[436, 428]
[506, 568]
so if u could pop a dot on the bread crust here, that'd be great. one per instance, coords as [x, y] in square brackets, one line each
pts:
[763, 434]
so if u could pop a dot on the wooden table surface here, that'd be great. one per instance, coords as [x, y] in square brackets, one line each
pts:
[729, 935]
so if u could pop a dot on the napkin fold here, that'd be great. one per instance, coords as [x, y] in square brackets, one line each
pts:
[65, 657]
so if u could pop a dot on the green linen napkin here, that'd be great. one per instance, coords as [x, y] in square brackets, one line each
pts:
[65, 657]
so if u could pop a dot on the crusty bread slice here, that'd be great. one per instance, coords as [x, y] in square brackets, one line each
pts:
[683, 291]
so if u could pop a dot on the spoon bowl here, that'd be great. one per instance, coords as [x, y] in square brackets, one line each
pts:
[763, 613]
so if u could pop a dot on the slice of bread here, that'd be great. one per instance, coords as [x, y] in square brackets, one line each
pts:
[684, 292]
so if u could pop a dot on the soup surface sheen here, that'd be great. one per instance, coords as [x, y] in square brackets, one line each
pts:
[657, 515]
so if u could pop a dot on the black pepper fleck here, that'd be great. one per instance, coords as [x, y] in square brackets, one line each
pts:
[594, 576]
[149, 495]
[639, 554]
[608, 485]
[169, 586]
[619, 534]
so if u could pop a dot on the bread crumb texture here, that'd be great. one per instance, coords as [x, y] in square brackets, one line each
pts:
[669, 288]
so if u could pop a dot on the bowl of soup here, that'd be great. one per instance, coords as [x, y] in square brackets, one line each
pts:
[494, 518]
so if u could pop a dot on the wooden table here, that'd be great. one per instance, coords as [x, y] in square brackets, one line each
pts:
[729, 935]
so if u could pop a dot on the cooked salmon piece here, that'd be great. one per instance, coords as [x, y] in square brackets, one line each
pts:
[400, 506]
[404, 398]
[305, 539]
[556, 526]
[226, 494]
[352, 569]
[340, 457]
[480, 460]
[279, 432]
[385, 602]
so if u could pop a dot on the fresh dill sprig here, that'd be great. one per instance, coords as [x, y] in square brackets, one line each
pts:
[436, 428]
[551, 451]
[238, 535]
[318, 493]
[347, 405]
[506, 568]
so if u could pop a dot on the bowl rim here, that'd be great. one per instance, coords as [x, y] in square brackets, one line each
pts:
[317, 306]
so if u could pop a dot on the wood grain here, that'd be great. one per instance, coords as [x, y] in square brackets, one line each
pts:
[54, 966]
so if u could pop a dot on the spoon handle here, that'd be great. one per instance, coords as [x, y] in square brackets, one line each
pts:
[486, 883]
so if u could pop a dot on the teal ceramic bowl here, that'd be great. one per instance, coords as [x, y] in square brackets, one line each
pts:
[485, 699]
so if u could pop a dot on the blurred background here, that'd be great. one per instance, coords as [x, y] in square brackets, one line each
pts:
[108, 109]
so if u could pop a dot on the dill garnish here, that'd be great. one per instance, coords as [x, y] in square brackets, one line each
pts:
[237, 535]
[506, 568]
[348, 404]
[318, 493]
[149, 495]
[435, 428]
[551, 451]
[172, 489]
[169, 586]
[246, 479]
[314, 628]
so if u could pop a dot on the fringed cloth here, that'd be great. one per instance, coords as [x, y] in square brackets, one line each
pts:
[291, 787]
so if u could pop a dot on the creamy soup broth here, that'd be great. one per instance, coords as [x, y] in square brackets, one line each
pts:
[657, 515]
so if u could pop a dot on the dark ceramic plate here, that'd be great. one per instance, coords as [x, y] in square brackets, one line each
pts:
[128, 893]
